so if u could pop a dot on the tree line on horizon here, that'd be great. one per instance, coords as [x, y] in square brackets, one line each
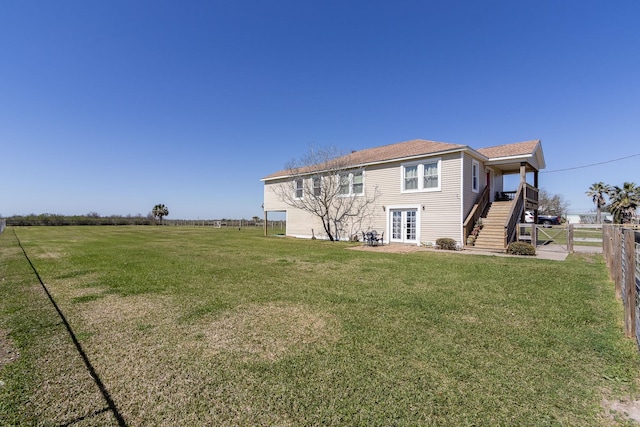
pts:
[91, 218]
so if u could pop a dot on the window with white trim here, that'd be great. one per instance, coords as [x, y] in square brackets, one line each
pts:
[351, 183]
[475, 176]
[421, 176]
[357, 183]
[431, 175]
[317, 186]
[411, 177]
[298, 185]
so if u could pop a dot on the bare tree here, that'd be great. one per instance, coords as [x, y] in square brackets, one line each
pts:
[330, 187]
[552, 204]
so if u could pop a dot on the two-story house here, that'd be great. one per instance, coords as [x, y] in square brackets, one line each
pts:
[424, 190]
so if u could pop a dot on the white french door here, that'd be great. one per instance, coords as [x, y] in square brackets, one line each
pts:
[404, 225]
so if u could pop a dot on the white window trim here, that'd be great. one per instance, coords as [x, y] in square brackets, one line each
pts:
[296, 188]
[420, 165]
[475, 163]
[350, 175]
[388, 220]
[317, 190]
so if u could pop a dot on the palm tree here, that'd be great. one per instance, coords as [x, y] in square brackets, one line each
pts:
[597, 193]
[624, 202]
[159, 211]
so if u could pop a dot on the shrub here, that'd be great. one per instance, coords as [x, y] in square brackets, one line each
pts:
[521, 248]
[446, 243]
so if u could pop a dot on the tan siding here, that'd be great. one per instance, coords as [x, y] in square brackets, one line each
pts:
[469, 197]
[441, 216]
[300, 224]
[387, 181]
[272, 201]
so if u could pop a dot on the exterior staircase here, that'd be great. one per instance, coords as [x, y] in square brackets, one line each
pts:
[492, 235]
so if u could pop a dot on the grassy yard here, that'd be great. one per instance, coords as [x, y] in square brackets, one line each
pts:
[204, 326]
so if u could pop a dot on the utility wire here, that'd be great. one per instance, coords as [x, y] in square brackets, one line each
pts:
[593, 164]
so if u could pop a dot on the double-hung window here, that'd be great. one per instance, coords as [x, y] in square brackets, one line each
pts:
[317, 186]
[357, 183]
[351, 183]
[343, 184]
[298, 185]
[431, 176]
[421, 176]
[475, 176]
[411, 177]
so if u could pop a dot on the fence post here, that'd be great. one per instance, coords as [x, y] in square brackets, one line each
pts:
[534, 235]
[629, 283]
[616, 265]
[606, 241]
[570, 238]
[605, 245]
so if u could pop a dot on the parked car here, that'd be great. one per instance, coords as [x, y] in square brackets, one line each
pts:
[546, 220]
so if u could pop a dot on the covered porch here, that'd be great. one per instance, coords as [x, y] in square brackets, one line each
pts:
[511, 189]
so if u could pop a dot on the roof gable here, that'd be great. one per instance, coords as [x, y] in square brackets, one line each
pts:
[510, 150]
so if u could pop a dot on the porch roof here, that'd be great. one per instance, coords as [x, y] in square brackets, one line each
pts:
[508, 157]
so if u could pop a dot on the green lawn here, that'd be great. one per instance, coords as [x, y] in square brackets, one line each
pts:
[205, 326]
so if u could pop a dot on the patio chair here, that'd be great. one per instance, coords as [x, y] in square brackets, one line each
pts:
[376, 238]
[366, 238]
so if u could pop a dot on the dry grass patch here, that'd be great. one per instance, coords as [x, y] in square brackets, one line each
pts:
[136, 345]
[49, 255]
[115, 312]
[269, 331]
[8, 353]
[153, 363]
[622, 409]
[66, 391]
[74, 286]
[391, 248]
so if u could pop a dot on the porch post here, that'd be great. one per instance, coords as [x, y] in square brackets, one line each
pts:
[523, 172]
[265, 223]
[535, 184]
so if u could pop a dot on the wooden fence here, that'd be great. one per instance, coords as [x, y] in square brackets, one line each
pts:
[621, 248]
[569, 237]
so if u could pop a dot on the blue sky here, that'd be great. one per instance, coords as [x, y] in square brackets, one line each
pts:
[115, 106]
